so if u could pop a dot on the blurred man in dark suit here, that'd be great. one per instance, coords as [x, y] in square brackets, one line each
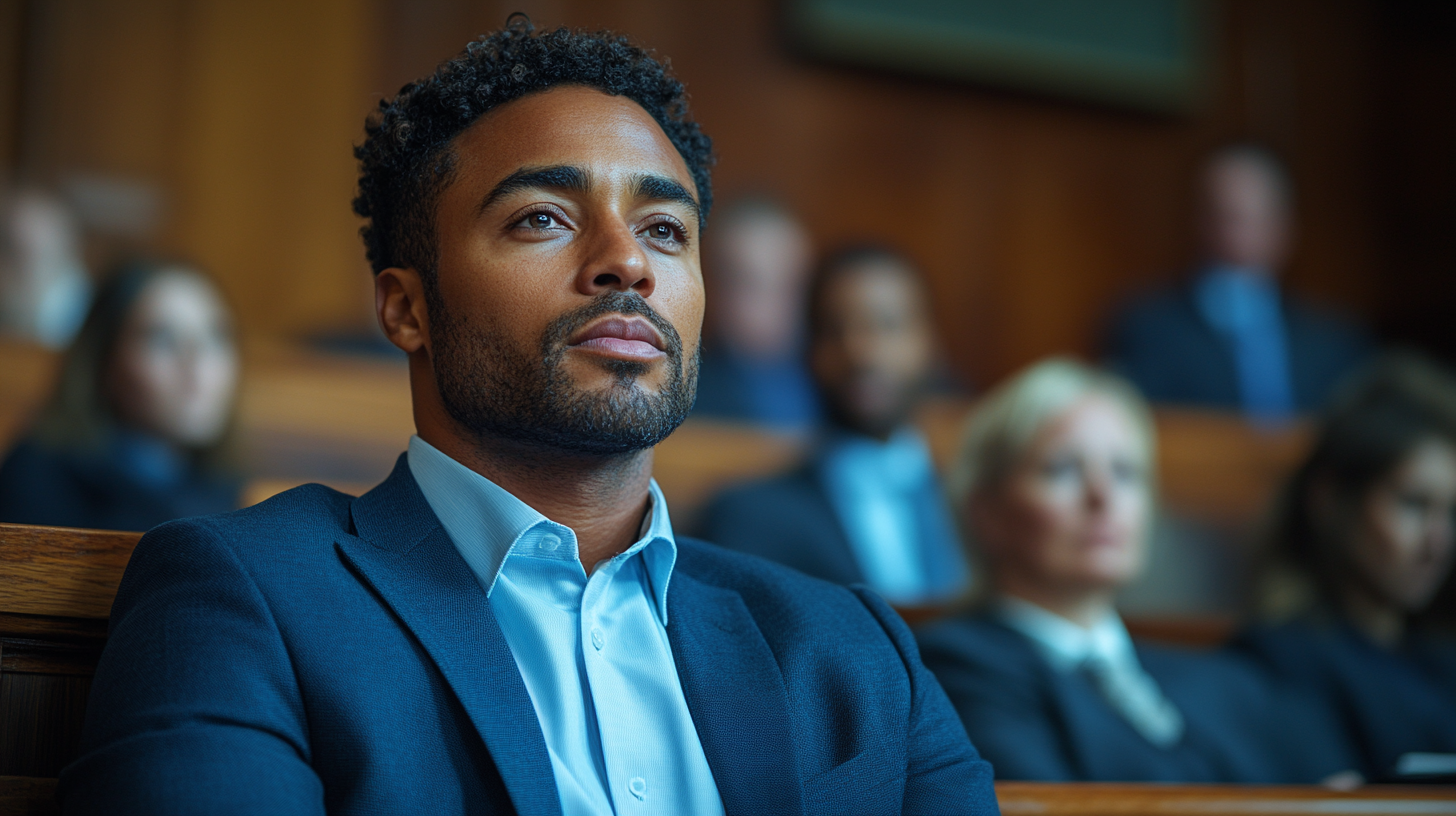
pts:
[1229, 337]
[867, 507]
[758, 259]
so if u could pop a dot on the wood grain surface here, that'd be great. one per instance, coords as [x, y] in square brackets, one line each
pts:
[61, 571]
[1102, 799]
[28, 796]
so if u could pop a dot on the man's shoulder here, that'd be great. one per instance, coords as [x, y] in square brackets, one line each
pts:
[791, 485]
[293, 519]
[742, 572]
[798, 604]
[974, 638]
[1156, 309]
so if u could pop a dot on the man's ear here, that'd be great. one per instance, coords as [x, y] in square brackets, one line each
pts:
[399, 302]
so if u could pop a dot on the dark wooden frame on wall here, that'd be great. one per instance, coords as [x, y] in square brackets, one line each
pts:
[56, 588]
[1147, 55]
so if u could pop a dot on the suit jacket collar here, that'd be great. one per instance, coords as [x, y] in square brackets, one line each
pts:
[736, 693]
[403, 553]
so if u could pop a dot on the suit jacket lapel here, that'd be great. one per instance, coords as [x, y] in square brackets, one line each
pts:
[404, 554]
[735, 692]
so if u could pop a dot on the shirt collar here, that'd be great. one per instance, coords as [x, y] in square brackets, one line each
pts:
[903, 460]
[487, 523]
[1063, 643]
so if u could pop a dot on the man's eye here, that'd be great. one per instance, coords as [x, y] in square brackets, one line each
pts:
[661, 232]
[539, 221]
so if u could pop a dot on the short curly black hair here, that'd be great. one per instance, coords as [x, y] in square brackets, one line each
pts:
[405, 161]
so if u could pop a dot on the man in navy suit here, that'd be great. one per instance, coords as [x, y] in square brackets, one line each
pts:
[508, 624]
[868, 506]
[1231, 337]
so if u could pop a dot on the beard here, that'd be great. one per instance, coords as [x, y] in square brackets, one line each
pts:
[496, 391]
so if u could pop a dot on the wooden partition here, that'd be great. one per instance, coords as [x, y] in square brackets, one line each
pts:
[1097, 799]
[341, 420]
[56, 587]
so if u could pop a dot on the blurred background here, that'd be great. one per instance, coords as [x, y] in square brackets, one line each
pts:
[1040, 169]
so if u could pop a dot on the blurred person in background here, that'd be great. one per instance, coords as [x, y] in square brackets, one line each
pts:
[1362, 539]
[868, 506]
[1056, 486]
[758, 261]
[1229, 338]
[44, 288]
[136, 430]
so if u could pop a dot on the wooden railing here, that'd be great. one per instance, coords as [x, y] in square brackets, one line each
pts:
[1101, 799]
[308, 416]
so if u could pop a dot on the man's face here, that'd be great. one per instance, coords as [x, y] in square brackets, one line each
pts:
[872, 350]
[762, 261]
[568, 298]
[1245, 217]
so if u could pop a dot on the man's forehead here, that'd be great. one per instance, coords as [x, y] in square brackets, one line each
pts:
[611, 137]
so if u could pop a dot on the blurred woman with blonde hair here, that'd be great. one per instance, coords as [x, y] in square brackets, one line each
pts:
[1055, 485]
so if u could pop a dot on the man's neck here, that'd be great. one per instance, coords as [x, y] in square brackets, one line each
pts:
[603, 499]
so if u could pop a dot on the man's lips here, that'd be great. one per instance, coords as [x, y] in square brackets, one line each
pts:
[627, 338]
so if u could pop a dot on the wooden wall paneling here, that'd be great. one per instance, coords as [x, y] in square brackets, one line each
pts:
[274, 97]
[1032, 216]
[13, 18]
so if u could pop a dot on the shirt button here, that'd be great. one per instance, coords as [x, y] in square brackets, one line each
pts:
[550, 542]
[599, 639]
[638, 787]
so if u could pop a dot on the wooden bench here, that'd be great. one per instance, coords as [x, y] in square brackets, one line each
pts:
[56, 588]
[1103, 799]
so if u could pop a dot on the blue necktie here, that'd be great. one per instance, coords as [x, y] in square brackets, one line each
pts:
[1243, 306]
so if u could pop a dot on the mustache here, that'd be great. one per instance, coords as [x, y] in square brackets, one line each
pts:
[554, 338]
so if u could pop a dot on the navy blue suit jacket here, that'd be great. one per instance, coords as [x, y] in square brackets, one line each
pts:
[1035, 723]
[788, 519]
[1166, 347]
[1390, 702]
[321, 653]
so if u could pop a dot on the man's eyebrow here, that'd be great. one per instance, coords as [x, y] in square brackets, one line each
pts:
[661, 188]
[556, 177]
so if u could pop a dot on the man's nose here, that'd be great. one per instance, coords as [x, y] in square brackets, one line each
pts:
[615, 261]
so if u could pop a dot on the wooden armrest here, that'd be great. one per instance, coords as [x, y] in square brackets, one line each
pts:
[1115, 799]
[28, 796]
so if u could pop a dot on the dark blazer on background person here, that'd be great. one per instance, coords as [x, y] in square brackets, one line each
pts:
[321, 653]
[40, 484]
[1391, 702]
[787, 519]
[1163, 343]
[782, 397]
[1035, 723]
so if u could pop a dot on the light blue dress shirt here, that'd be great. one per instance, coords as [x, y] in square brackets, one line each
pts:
[888, 500]
[593, 651]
